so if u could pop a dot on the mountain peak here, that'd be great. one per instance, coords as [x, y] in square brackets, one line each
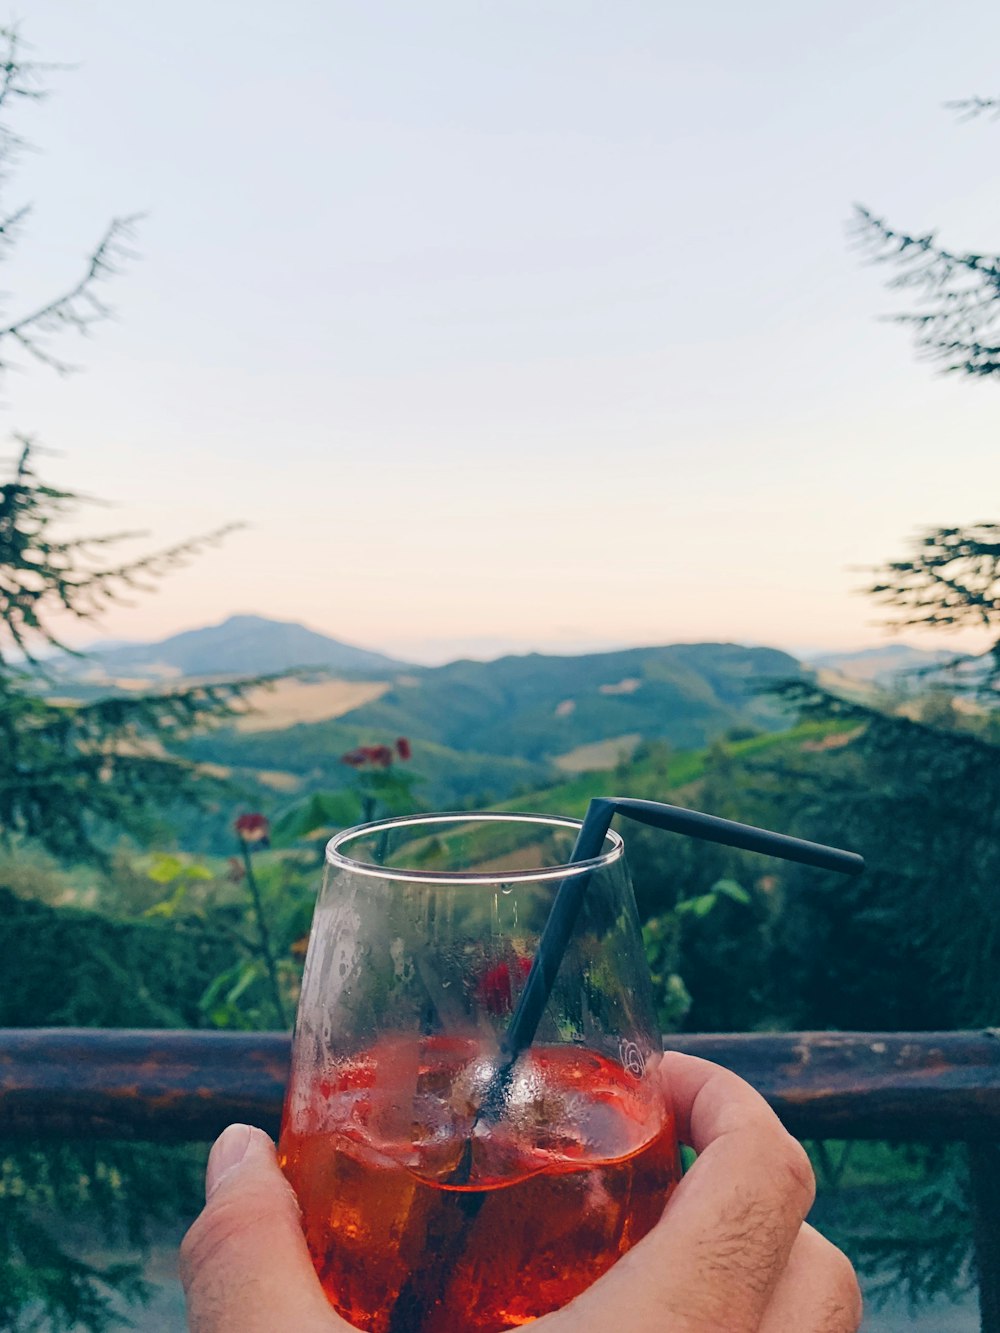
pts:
[244, 644]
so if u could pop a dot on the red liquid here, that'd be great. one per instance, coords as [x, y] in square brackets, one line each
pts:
[547, 1209]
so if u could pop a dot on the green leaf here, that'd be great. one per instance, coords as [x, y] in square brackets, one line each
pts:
[170, 907]
[732, 890]
[319, 814]
[248, 974]
[196, 871]
[700, 906]
[165, 868]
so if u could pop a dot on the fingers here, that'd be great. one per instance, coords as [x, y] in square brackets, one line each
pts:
[244, 1262]
[818, 1291]
[715, 1258]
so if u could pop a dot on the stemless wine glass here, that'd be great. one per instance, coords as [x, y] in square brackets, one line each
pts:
[426, 1210]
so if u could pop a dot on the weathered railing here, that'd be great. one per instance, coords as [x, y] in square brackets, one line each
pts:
[172, 1086]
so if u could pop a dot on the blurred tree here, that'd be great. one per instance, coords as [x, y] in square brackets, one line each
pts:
[69, 772]
[958, 291]
[72, 778]
[31, 329]
[952, 579]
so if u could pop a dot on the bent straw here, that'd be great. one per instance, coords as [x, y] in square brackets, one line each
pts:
[569, 898]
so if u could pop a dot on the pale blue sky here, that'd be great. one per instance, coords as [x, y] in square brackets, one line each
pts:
[512, 323]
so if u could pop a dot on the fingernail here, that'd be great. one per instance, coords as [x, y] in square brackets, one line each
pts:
[228, 1150]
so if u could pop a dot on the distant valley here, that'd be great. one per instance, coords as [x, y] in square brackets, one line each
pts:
[481, 731]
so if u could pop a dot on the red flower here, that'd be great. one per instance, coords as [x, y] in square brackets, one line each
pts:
[253, 828]
[380, 756]
[494, 989]
[403, 748]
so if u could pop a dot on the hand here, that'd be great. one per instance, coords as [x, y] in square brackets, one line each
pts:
[731, 1254]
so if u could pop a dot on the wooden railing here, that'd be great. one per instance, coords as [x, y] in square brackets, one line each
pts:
[174, 1086]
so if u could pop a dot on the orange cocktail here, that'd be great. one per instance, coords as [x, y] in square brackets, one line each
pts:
[444, 1186]
[547, 1209]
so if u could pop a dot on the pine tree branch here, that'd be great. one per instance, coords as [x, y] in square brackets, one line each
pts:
[971, 107]
[79, 308]
[72, 775]
[953, 578]
[41, 576]
[961, 290]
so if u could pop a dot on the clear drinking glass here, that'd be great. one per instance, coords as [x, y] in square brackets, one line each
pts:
[423, 1213]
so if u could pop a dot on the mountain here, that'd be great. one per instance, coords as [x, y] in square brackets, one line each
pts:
[239, 646]
[495, 726]
[890, 665]
[538, 706]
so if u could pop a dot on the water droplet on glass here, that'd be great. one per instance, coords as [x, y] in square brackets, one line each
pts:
[508, 890]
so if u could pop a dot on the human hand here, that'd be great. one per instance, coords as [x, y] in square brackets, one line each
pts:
[731, 1254]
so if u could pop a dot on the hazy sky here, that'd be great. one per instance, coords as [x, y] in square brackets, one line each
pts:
[530, 322]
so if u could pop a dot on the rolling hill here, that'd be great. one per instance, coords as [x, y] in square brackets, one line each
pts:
[481, 731]
[484, 730]
[539, 707]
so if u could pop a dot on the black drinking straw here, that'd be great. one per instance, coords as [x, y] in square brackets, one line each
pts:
[569, 897]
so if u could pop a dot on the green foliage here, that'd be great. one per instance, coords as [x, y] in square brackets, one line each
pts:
[928, 1251]
[958, 292]
[262, 909]
[73, 775]
[661, 937]
[81, 969]
[49, 1195]
[315, 819]
[45, 574]
[915, 942]
[951, 581]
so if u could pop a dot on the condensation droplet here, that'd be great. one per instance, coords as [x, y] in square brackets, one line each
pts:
[508, 890]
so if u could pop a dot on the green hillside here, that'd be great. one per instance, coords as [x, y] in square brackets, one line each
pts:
[656, 772]
[483, 732]
[311, 753]
[537, 707]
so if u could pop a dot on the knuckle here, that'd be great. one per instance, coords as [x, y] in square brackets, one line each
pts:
[837, 1291]
[797, 1172]
[845, 1291]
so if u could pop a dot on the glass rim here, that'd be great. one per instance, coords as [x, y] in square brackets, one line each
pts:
[335, 857]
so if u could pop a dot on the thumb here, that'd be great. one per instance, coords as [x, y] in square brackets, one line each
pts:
[244, 1262]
